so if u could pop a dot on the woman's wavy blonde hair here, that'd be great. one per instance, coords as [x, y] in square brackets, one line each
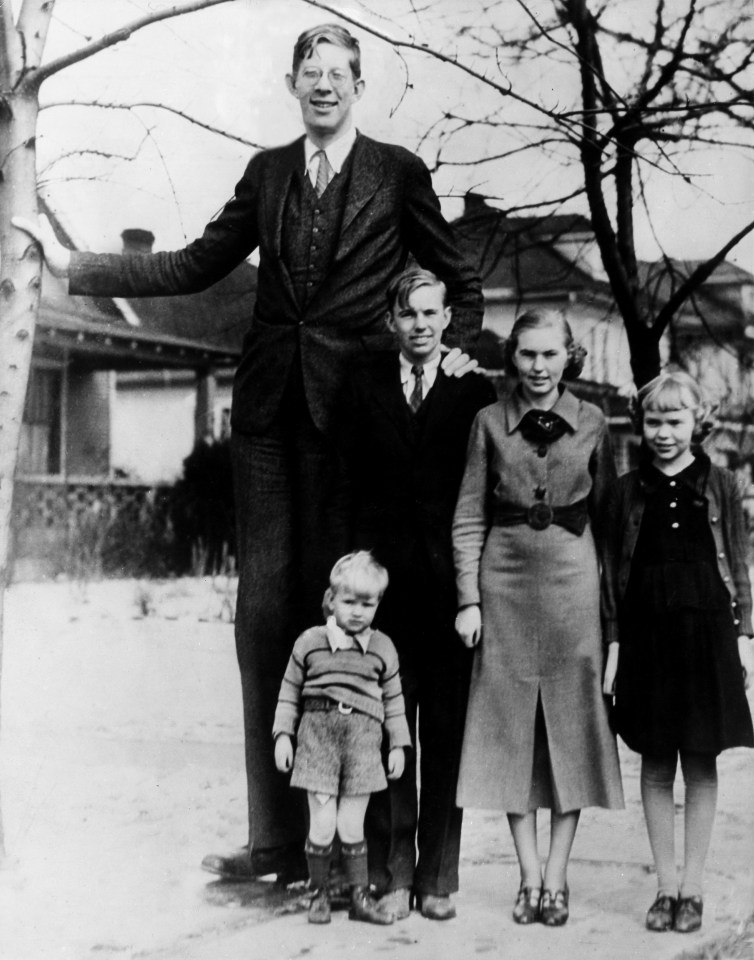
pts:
[535, 320]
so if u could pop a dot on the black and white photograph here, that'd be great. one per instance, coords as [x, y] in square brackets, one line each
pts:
[376, 479]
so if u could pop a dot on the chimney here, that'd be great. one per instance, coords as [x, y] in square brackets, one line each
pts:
[475, 205]
[136, 240]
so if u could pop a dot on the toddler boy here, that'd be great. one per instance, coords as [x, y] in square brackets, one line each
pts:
[340, 687]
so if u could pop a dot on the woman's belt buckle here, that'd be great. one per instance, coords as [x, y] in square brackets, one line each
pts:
[344, 709]
[539, 516]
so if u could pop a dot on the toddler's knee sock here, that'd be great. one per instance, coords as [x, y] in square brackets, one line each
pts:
[363, 907]
[318, 858]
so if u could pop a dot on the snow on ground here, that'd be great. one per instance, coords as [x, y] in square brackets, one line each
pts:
[121, 764]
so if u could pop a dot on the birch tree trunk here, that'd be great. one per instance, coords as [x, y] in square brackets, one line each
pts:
[21, 48]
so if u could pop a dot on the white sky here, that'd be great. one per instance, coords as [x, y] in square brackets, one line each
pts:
[226, 66]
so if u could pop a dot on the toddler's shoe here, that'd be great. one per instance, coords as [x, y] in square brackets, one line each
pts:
[661, 914]
[364, 907]
[319, 906]
[688, 914]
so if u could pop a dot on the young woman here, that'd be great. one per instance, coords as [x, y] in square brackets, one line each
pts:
[537, 734]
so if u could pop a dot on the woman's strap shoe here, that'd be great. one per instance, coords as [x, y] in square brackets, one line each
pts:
[527, 906]
[554, 907]
[661, 914]
[688, 914]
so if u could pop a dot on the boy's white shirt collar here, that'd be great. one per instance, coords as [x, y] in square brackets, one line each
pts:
[429, 371]
[337, 153]
[340, 640]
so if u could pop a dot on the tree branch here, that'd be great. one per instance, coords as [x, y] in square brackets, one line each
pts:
[154, 106]
[697, 278]
[504, 91]
[36, 77]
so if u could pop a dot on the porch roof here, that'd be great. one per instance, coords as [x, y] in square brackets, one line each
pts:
[99, 345]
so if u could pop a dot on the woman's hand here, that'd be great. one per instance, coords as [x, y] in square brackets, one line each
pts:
[469, 625]
[747, 659]
[283, 753]
[396, 761]
[611, 668]
[58, 259]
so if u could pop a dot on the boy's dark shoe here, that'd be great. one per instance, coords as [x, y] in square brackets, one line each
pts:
[288, 863]
[319, 906]
[661, 914]
[688, 915]
[364, 907]
[435, 907]
[396, 903]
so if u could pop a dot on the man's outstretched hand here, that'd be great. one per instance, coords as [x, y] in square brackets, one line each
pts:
[58, 259]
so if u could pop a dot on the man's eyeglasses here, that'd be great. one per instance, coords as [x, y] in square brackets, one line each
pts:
[311, 76]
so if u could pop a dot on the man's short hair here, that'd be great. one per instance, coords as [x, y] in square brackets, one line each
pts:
[332, 33]
[401, 287]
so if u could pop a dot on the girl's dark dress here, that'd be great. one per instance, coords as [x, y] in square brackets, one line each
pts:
[679, 684]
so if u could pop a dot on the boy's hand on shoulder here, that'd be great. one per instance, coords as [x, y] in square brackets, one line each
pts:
[283, 753]
[746, 655]
[456, 363]
[469, 625]
[396, 762]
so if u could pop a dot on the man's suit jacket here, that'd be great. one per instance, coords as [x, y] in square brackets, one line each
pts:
[391, 211]
[405, 478]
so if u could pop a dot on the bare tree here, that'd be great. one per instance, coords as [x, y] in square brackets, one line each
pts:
[615, 96]
[22, 73]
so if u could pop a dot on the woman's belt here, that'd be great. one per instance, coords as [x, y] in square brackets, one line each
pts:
[540, 515]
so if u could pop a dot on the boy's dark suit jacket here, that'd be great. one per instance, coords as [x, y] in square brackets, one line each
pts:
[405, 471]
[391, 210]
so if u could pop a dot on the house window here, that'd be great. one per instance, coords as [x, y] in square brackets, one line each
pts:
[39, 450]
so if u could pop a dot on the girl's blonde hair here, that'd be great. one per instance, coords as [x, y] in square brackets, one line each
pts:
[677, 390]
[534, 320]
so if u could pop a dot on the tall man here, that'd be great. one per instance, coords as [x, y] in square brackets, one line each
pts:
[334, 216]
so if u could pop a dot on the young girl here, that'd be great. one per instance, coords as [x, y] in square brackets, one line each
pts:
[341, 686]
[678, 601]
[537, 733]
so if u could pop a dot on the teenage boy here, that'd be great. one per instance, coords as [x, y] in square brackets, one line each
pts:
[403, 434]
[334, 216]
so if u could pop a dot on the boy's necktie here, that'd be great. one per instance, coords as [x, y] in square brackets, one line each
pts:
[324, 172]
[417, 394]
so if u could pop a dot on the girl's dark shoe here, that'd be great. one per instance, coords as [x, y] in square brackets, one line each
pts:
[688, 915]
[319, 906]
[661, 914]
[554, 908]
[528, 904]
[364, 907]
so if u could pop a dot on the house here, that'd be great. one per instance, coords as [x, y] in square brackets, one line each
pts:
[111, 376]
[554, 262]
